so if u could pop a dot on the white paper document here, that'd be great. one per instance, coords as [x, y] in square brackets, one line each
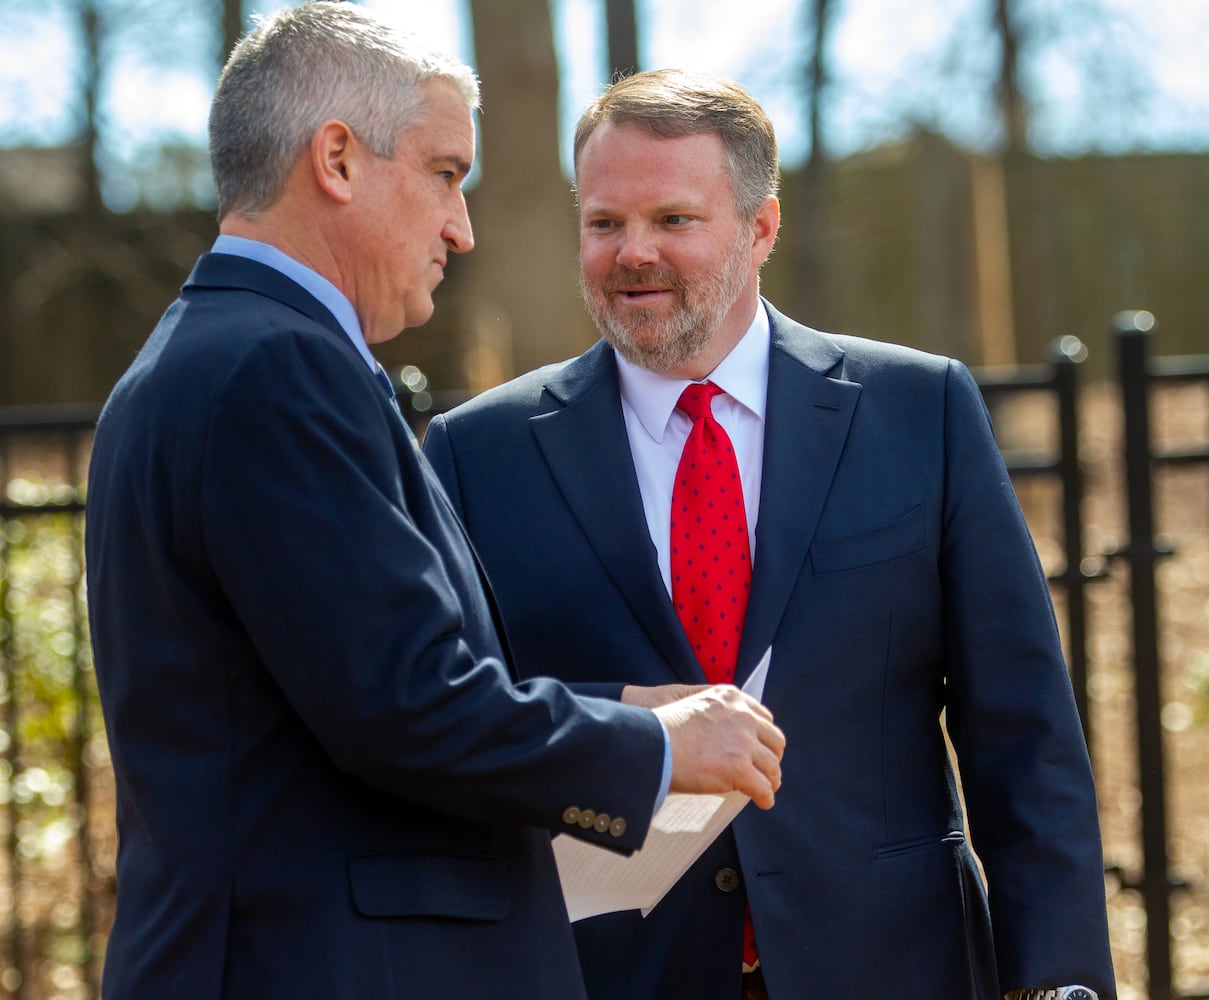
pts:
[595, 880]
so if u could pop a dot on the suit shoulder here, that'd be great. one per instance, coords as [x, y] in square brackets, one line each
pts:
[534, 392]
[849, 356]
[209, 347]
[881, 363]
[516, 397]
[879, 354]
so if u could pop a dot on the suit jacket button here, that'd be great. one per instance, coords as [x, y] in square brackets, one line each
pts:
[617, 827]
[726, 879]
[571, 815]
[587, 818]
[602, 822]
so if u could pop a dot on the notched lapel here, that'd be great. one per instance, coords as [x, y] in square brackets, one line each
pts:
[585, 445]
[808, 417]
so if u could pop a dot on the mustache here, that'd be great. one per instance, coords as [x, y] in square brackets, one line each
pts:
[628, 278]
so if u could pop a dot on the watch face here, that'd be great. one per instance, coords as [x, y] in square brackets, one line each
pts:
[1079, 993]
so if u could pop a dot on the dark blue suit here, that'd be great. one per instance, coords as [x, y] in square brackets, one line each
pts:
[894, 578]
[328, 785]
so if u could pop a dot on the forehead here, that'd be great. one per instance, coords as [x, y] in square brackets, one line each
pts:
[621, 162]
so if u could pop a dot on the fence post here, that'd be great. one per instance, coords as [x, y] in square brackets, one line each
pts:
[1066, 354]
[1132, 331]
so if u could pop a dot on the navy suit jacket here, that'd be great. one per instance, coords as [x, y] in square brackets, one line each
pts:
[895, 579]
[328, 784]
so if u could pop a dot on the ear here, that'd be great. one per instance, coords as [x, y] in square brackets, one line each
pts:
[333, 151]
[764, 229]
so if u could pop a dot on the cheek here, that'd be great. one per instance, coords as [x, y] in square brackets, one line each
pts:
[595, 262]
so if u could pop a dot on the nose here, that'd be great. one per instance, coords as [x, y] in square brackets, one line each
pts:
[637, 248]
[458, 234]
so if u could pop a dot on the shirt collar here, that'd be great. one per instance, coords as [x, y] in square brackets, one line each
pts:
[742, 375]
[314, 282]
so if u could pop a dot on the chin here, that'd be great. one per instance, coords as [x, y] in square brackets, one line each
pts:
[419, 315]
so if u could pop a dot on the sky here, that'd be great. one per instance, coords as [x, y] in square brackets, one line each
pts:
[1130, 78]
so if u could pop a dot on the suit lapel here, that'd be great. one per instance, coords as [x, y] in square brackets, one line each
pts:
[806, 423]
[584, 441]
[585, 444]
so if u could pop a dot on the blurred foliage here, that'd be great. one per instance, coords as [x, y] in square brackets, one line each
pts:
[52, 749]
[47, 664]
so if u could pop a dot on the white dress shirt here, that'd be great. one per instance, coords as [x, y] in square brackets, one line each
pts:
[657, 430]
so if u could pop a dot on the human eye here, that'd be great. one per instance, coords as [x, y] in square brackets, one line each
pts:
[599, 225]
[450, 171]
[675, 219]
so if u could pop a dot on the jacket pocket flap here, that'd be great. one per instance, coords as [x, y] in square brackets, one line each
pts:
[467, 887]
[891, 541]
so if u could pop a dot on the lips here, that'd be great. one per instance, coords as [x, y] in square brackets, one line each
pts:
[641, 288]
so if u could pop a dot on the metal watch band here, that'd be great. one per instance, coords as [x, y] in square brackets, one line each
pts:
[1056, 993]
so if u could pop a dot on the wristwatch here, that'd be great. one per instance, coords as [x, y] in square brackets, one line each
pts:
[1055, 993]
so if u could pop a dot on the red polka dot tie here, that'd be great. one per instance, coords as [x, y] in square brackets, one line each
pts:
[711, 564]
[711, 560]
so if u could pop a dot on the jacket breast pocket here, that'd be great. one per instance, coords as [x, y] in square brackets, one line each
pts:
[465, 887]
[899, 538]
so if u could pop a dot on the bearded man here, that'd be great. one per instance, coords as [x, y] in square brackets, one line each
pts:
[714, 479]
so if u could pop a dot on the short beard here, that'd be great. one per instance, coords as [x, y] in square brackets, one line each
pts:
[664, 344]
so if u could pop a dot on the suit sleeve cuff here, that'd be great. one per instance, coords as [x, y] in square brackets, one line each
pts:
[665, 781]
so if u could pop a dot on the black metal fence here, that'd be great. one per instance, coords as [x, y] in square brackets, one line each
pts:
[1140, 377]
[56, 868]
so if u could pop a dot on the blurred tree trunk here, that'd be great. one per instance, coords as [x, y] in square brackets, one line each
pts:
[1011, 102]
[522, 278]
[90, 30]
[232, 27]
[622, 22]
[1029, 245]
[947, 270]
[995, 323]
[805, 235]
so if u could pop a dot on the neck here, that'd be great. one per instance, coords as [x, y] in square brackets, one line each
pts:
[732, 329]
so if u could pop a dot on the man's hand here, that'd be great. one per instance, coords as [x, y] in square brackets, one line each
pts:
[664, 694]
[724, 741]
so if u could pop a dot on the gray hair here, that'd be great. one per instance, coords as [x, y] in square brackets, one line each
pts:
[670, 103]
[301, 67]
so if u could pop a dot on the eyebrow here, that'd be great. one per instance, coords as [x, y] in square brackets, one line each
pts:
[671, 208]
